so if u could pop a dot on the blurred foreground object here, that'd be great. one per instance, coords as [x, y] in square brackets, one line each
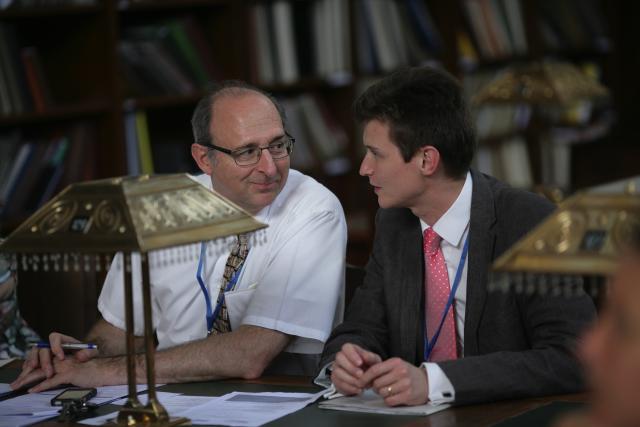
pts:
[577, 247]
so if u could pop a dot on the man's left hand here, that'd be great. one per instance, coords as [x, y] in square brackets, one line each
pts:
[69, 371]
[398, 382]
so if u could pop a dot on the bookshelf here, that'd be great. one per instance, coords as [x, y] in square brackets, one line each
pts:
[99, 75]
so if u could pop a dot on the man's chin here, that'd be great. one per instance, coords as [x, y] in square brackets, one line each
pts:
[384, 202]
[262, 200]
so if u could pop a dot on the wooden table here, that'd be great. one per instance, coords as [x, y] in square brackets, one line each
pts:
[312, 416]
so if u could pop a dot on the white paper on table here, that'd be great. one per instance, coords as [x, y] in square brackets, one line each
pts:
[37, 404]
[20, 420]
[5, 388]
[373, 403]
[98, 421]
[109, 393]
[249, 409]
[174, 403]
[30, 404]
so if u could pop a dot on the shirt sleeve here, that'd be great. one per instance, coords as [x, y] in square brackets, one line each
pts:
[440, 388]
[111, 300]
[303, 284]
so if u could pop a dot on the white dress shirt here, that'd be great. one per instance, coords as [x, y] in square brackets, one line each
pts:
[293, 282]
[453, 227]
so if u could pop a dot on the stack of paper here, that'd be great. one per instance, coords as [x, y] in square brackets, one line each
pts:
[174, 403]
[233, 409]
[34, 407]
[371, 402]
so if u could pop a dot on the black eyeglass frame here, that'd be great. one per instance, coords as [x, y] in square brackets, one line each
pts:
[233, 153]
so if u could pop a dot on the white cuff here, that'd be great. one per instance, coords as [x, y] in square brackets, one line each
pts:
[440, 388]
[324, 377]
[324, 380]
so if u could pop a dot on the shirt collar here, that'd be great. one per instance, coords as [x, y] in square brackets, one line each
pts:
[452, 225]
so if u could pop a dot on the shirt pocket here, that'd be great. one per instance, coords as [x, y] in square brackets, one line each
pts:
[237, 303]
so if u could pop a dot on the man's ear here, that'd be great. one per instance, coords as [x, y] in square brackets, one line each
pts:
[429, 160]
[201, 155]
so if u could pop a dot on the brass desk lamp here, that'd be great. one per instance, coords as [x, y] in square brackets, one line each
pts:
[88, 222]
[576, 247]
[541, 83]
[548, 88]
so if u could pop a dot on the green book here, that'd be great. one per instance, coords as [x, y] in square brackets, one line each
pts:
[144, 144]
[188, 52]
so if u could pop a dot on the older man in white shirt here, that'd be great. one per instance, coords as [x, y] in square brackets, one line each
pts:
[279, 303]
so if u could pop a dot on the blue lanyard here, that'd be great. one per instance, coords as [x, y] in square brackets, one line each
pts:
[429, 345]
[211, 316]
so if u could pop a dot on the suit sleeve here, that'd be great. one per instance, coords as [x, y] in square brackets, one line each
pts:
[365, 322]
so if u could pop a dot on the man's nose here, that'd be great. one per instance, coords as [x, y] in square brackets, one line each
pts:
[266, 164]
[365, 167]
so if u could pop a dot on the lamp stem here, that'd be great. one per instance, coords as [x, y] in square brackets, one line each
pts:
[153, 403]
[132, 399]
[128, 304]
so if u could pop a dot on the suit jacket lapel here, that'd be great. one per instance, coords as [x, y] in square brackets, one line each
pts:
[481, 246]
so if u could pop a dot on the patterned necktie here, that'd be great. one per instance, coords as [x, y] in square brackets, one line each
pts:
[234, 263]
[437, 294]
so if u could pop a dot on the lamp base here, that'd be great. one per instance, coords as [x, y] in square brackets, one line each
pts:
[134, 421]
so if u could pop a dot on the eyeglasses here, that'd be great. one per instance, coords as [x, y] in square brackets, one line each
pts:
[250, 155]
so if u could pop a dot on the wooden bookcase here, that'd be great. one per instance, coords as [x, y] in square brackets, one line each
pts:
[79, 52]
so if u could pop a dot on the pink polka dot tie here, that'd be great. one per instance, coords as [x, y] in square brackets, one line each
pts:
[437, 294]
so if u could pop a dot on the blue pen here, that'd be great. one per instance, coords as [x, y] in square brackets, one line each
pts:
[67, 346]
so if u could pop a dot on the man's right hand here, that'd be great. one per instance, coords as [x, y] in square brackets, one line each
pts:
[41, 358]
[350, 364]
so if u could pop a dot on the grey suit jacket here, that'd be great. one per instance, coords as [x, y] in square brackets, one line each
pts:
[515, 345]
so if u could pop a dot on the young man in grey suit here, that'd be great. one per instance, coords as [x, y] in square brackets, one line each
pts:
[439, 220]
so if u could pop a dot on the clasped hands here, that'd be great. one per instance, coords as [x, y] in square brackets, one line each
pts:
[52, 367]
[397, 381]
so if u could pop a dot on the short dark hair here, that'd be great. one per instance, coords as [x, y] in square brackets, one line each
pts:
[422, 106]
[202, 115]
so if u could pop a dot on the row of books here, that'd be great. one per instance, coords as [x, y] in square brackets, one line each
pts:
[494, 121]
[23, 83]
[34, 170]
[573, 25]
[137, 143]
[507, 160]
[503, 151]
[497, 27]
[293, 40]
[391, 34]
[172, 57]
[166, 154]
[559, 141]
[321, 142]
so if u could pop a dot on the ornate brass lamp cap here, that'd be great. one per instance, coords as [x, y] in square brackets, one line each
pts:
[541, 83]
[129, 214]
[580, 242]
